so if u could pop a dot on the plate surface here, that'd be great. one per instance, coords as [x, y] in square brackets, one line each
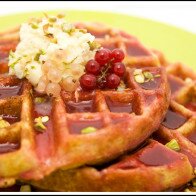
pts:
[177, 44]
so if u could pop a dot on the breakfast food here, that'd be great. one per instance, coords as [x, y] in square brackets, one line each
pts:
[120, 134]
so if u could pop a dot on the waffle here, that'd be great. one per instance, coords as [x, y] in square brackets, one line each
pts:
[130, 165]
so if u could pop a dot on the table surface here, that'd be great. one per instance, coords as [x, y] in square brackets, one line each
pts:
[180, 14]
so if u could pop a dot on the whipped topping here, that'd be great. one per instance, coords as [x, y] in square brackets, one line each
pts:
[51, 54]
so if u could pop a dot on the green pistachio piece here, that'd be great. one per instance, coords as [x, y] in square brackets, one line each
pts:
[137, 72]
[14, 63]
[52, 19]
[39, 122]
[34, 25]
[37, 56]
[173, 144]
[61, 15]
[148, 75]
[11, 54]
[40, 100]
[3, 123]
[139, 78]
[88, 130]
[94, 45]
[25, 188]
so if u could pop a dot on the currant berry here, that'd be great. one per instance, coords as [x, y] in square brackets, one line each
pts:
[93, 67]
[112, 81]
[119, 69]
[88, 82]
[117, 55]
[103, 56]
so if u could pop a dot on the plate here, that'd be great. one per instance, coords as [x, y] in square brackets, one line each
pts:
[177, 44]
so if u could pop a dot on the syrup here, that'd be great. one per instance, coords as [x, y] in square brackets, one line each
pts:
[79, 107]
[135, 49]
[152, 84]
[9, 91]
[191, 106]
[8, 147]
[75, 127]
[118, 107]
[10, 118]
[45, 139]
[192, 136]
[173, 120]
[175, 84]
[157, 155]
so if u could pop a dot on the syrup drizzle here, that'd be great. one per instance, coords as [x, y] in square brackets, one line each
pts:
[175, 84]
[118, 107]
[9, 91]
[192, 136]
[157, 155]
[173, 120]
[8, 147]
[75, 127]
[152, 84]
[10, 118]
[191, 106]
[44, 140]
[79, 107]
[135, 49]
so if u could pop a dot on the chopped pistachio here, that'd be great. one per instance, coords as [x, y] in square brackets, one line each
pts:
[94, 45]
[32, 67]
[148, 76]
[139, 78]
[34, 25]
[37, 56]
[45, 119]
[187, 190]
[88, 130]
[194, 182]
[14, 63]
[3, 123]
[25, 188]
[82, 30]
[52, 19]
[68, 28]
[45, 28]
[11, 54]
[40, 100]
[39, 122]
[60, 15]
[173, 144]
[26, 72]
[137, 72]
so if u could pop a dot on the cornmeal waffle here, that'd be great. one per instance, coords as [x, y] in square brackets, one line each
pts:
[114, 158]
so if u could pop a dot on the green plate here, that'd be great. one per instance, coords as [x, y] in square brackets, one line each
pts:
[177, 44]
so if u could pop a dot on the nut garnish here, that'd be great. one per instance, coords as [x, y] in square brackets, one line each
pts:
[40, 99]
[173, 144]
[25, 188]
[142, 77]
[88, 130]
[3, 123]
[39, 122]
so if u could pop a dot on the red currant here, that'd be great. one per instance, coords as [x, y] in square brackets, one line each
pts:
[88, 82]
[119, 69]
[102, 56]
[117, 55]
[93, 67]
[112, 81]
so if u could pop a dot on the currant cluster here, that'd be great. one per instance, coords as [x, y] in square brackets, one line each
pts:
[105, 71]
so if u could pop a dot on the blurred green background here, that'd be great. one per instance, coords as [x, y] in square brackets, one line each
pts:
[177, 44]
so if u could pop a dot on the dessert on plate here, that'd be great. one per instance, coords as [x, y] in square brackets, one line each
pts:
[85, 107]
